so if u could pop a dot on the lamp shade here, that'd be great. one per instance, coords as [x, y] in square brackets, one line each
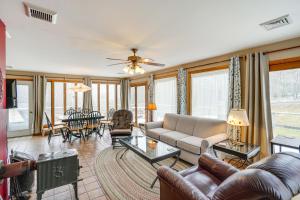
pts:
[80, 88]
[238, 117]
[151, 106]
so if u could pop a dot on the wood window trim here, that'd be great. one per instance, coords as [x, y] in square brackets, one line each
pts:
[189, 82]
[166, 75]
[284, 64]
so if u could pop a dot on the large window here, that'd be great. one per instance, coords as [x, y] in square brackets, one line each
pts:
[285, 102]
[63, 98]
[165, 97]
[105, 96]
[209, 94]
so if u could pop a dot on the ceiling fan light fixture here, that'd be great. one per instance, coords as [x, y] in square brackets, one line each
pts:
[126, 69]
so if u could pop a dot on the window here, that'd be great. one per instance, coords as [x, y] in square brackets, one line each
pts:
[105, 96]
[103, 104]
[48, 102]
[58, 100]
[64, 98]
[95, 96]
[285, 102]
[209, 94]
[138, 103]
[70, 96]
[165, 97]
[112, 96]
[119, 97]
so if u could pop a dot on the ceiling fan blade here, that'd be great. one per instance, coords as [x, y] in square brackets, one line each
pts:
[154, 64]
[147, 60]
[122, 63]
[116, 59]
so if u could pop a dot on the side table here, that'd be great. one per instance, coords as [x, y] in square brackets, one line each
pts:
[284, 141]
[243, 153]
[142, 127]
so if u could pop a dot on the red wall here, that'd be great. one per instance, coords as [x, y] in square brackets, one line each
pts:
[3, 117]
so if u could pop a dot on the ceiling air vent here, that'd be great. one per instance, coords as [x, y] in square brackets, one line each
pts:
[276, 23]
[40, 13]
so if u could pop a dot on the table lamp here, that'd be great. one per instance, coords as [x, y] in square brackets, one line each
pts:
[238, 117]
[151, 107]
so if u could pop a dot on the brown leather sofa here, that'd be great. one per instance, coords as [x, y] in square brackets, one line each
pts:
[273, 178]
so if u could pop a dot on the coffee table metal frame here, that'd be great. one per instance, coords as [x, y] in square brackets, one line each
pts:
[152, 161]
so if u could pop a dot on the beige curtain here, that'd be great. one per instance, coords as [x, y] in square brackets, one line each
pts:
[39, 94]
[124, 90]
[257, 102]
[87, 96]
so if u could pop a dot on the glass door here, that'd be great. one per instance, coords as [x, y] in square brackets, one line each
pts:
[138, 103]
[21, 118]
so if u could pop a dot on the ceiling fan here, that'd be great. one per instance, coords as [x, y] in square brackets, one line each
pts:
[133, 63]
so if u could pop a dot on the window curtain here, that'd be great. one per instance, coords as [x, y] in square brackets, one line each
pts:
[257, 103]
[87, 96]
[181, 91]
[151, 93]
[39, 94]
[234, 92]
[124, 93]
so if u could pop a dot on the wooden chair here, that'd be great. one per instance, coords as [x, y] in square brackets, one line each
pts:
[107, 123]
[75, 126]
[53, 128]
[70, 111]
[93, 124]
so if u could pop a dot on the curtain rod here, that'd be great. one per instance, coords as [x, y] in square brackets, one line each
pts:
[284, 49]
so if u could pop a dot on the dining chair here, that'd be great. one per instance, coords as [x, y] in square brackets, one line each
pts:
[70, 111]
[93, 123]
[107, 123]
[85, 111]
[75, 126]
[52, 129]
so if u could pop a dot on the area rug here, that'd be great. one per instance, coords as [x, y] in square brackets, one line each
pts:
[130, 177]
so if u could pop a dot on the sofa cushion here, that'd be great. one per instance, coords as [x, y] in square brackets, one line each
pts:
[156, 132]
[191, 144]
[172, 137]
[170, 121]
[208, 127]
[186, 124]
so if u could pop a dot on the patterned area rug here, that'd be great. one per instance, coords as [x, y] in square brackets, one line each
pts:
[130, 177]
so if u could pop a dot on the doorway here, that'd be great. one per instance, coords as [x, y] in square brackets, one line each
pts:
[21, 118]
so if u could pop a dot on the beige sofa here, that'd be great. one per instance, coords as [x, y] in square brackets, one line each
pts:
[192, 135]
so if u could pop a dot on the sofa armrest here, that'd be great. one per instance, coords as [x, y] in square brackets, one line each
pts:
[151, 125]
[218, 168]
[209, 141]
[174, 186]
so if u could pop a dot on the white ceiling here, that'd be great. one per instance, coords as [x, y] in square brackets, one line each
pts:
[169, 31]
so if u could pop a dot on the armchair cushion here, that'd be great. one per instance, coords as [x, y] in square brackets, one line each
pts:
[191, 144]
[120, 132]
[156, 132]
[172, 137]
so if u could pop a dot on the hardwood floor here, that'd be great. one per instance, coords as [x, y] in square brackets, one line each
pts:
[89, 188]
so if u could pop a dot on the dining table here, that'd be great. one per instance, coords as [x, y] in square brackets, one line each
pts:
[65, 118]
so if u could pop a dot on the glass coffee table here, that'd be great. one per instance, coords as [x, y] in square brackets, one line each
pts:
[151, 150]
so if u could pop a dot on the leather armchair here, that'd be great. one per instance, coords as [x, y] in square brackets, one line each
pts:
[275, 178]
